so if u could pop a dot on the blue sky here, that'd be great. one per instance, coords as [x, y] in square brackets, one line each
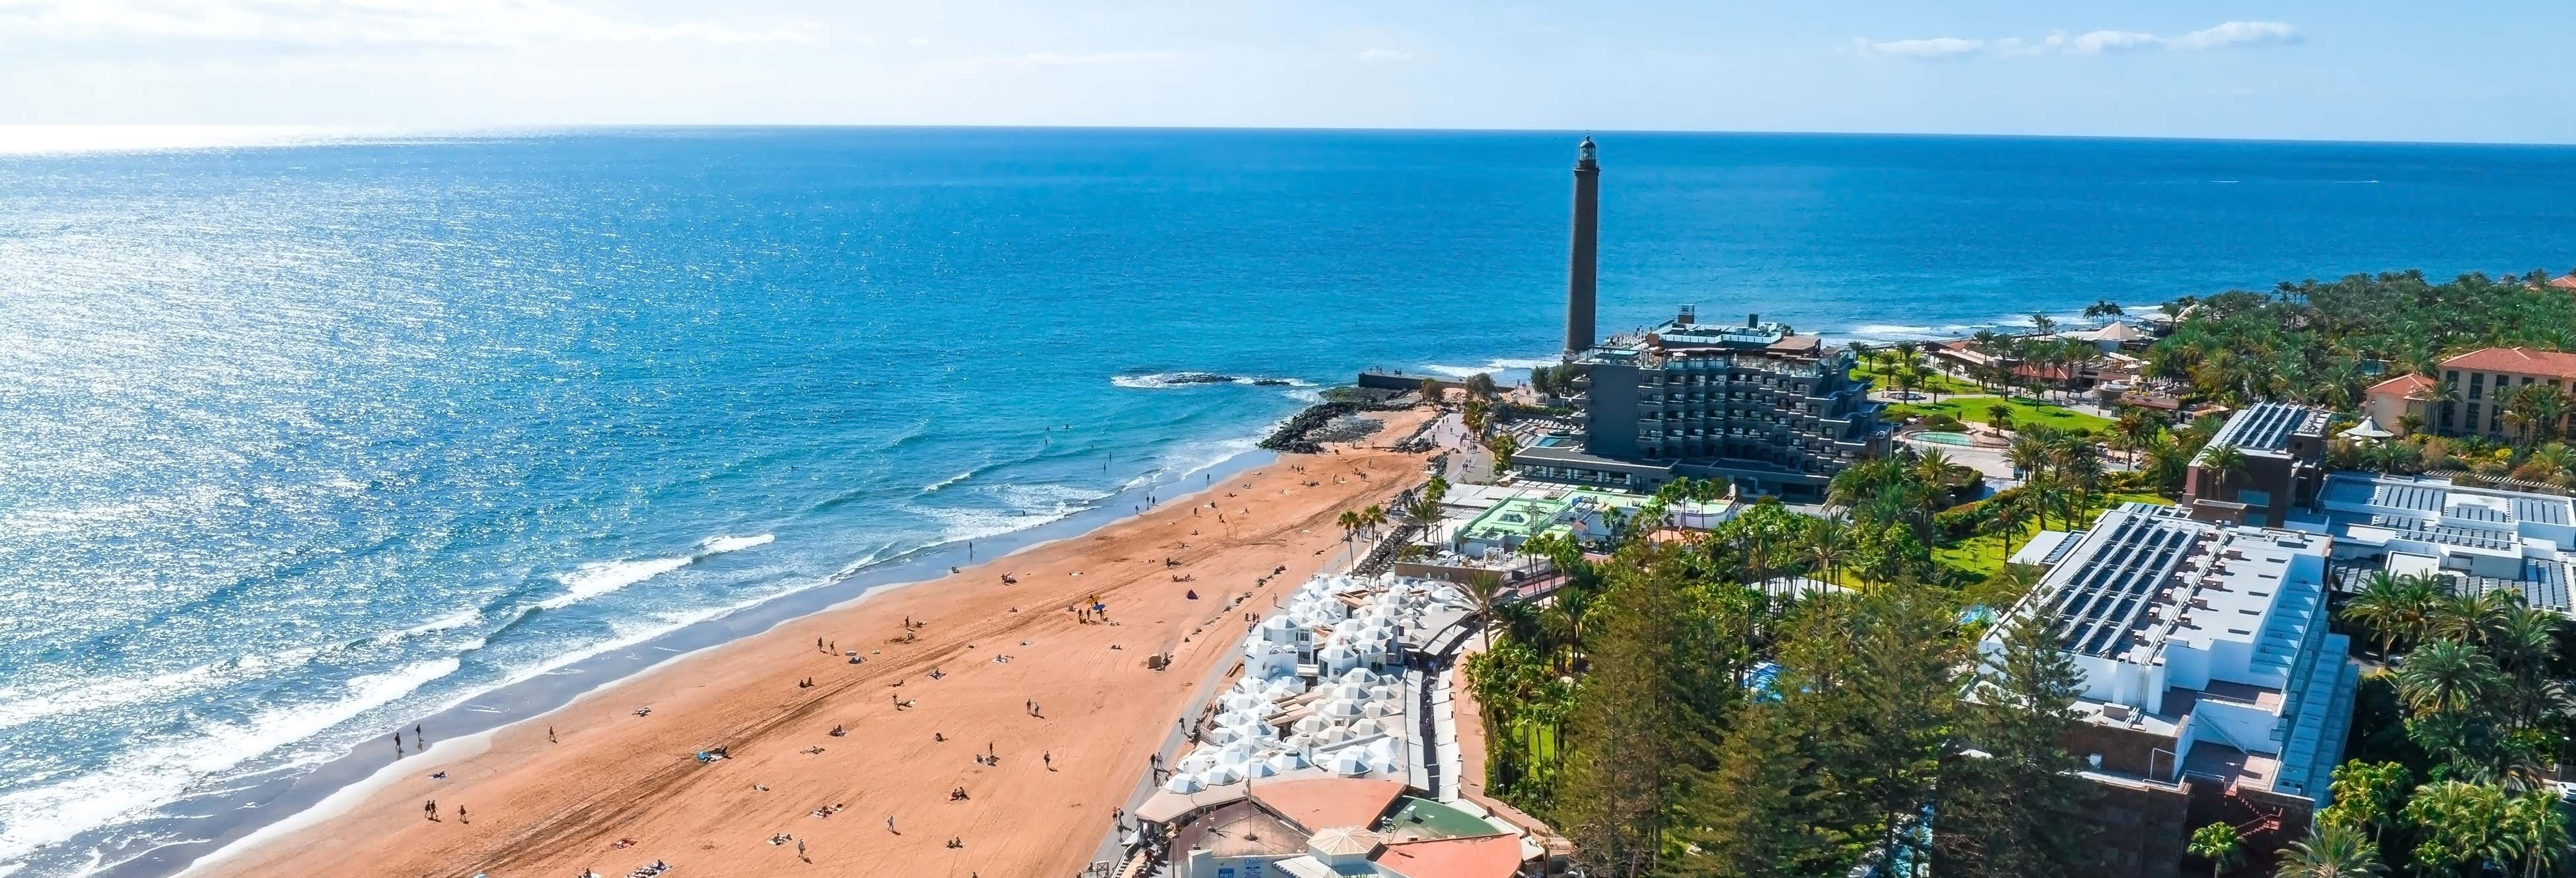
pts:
[2494, 71]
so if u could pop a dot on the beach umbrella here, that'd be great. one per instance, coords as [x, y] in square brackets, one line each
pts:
[1224, 774]
[1184, 783]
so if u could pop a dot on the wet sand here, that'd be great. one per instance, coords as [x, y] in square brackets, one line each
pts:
[537, 808]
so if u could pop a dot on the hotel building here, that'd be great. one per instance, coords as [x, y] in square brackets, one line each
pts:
[2284, 447]
[2212, 689]
[2481, 539]
[1756, 406]
[2471, 399]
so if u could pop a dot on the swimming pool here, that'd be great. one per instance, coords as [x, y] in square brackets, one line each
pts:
[1938, 437]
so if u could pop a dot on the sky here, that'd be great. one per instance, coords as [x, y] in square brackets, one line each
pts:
[2493, 71]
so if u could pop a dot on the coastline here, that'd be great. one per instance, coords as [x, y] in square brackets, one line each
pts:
[219, 826]
[287, 815]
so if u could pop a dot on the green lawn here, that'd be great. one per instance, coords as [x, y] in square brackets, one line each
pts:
[1932, 381]
[1983, 555]
[2024, 411]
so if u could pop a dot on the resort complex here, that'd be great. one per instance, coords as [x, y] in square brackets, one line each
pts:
[1333, 752]
[2211, 687]
[2476, 539]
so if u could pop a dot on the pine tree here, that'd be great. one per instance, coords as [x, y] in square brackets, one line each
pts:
[1627, 733]
[2017, 810]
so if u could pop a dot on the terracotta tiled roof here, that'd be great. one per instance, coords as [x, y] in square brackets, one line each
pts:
[2565, 281]
[1317, 804]
[1492, 856]
[2407, 386]
[2519, 361]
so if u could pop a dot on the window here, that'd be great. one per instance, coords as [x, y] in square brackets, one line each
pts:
[2255, 498]
[2477, 388]
[2472, 422]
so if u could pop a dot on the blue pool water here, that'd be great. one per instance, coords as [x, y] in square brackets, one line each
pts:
[1938, 437]
[299, 443]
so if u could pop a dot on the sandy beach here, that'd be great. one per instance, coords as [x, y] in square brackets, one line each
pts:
[1067, 705]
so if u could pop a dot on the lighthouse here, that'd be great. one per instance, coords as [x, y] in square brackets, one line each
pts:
[1586, 260]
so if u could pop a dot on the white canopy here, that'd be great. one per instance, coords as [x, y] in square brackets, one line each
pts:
[1184, 783]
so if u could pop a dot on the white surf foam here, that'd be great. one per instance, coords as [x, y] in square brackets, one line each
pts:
[934, 487]
[1500, 364]
[1168, 380]
[721, 545]
[602, 577]
[165, 770]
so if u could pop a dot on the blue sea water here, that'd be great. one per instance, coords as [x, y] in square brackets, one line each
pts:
[300, 442]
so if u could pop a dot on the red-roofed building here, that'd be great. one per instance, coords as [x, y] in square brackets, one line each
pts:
[1492, 856]
[2564, 282]
[2388, 401]
[2478, 386]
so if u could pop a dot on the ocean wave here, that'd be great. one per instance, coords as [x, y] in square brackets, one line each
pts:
[162, 771]
[602, 577]
[721, 545]
[1499, 364]
[934, 487]
[1167, 380]
[449, 622]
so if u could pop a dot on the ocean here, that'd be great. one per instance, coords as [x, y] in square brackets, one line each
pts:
[302, 442]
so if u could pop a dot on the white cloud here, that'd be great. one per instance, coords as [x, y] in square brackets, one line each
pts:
[2238, 33]
[1934, 49]
[1386, 55]
[2234, 33]
[359, 23]
[2101, 41]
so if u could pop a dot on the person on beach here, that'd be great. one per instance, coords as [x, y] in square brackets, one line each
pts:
[1049, 757]
[429, 809]
[890, 824]
[550, 734]
[460, 814]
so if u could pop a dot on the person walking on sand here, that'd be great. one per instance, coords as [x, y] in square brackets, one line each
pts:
[1048, 756]
[890, 824]
[550, 734]
[429, 809]
[800, 849]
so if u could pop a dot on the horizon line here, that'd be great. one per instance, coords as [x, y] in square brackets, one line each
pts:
[353, 134]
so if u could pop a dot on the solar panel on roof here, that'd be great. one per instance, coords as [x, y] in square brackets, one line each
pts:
[2540, 510]
[2475, 512]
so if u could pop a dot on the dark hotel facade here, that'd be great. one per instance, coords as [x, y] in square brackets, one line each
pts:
[1756, 406]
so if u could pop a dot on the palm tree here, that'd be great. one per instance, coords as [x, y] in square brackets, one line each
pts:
[1349, 521]
[2331, 850]
[2532, 823]
[1486, 589]
[1824, 546]
[2410, 423]
[2217, 843]
[2445, 677]
[2004, 520]
[2381, 606]
[2102, 308]
[2228, 461]
[2474, 619]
